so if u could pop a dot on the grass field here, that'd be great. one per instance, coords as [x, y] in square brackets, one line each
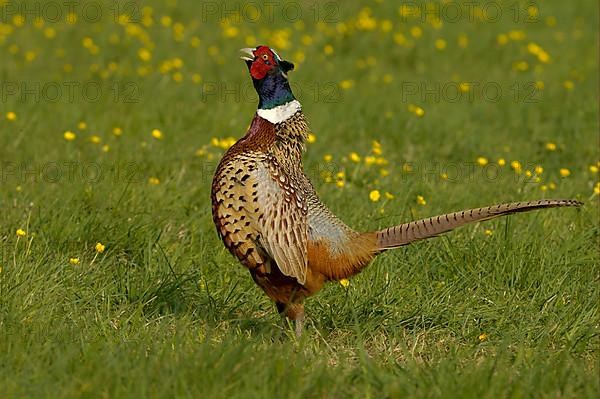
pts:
[113, 282]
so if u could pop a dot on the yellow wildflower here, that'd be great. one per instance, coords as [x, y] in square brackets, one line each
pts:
[421, 200]
[69, 135]
[49, 33]
[415, 109]
[376, 147]
[551, 146]
[516, 35]
[346, 84]
[328, 157]
[154, 181]
[520, 66]
[501, 162]
[82, 126]
[482, 161]
[328, 49]
[564, 172]
[374, 195]
[551, 21]
[144, 54]
[416, 32]
[74, 261]
[440, 44]
[195, 42]
[95, 139]
[157, 134]
[488, 232]
[345, 282]
[11, 116]
[117, 131]
[178, 77]
[21, 233]
[568, 84]
[482, 337]
[516, 166]
[311, 138]
[165, 20]
[99, 247]
[399, 38]
[593, 169]
[354, 157]
[231, 31]
[370, 160]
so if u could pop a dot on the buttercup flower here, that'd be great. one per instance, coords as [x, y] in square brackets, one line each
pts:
[157, 134]
[564, 172]
[374, 195]
[354, 157]
[69, 135]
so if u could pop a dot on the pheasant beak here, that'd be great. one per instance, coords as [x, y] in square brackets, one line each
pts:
[248, 54]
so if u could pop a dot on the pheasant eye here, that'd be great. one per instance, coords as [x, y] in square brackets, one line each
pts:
[265, 57]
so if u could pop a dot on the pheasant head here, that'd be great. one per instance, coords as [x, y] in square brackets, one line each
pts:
[269, 76]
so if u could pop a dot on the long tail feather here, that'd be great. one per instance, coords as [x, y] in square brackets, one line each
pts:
[406, 233]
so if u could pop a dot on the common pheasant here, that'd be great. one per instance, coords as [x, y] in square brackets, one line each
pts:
[269, 216]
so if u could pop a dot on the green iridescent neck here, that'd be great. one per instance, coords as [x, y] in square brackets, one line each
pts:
[273, 91]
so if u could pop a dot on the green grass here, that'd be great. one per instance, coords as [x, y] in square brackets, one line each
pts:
[165, 311]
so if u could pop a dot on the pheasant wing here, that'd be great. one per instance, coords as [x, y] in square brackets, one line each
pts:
[283, 222]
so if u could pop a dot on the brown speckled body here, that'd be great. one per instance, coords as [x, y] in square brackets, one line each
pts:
[269, 217]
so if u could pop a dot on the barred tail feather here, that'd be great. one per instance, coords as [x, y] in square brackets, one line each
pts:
[406, 233]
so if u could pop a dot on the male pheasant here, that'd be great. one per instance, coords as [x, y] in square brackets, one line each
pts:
[270, 217]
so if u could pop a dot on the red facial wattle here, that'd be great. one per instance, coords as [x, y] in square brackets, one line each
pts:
[259, 69]
[264, 61]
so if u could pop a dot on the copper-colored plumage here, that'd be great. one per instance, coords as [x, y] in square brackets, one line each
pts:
[269, 216]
